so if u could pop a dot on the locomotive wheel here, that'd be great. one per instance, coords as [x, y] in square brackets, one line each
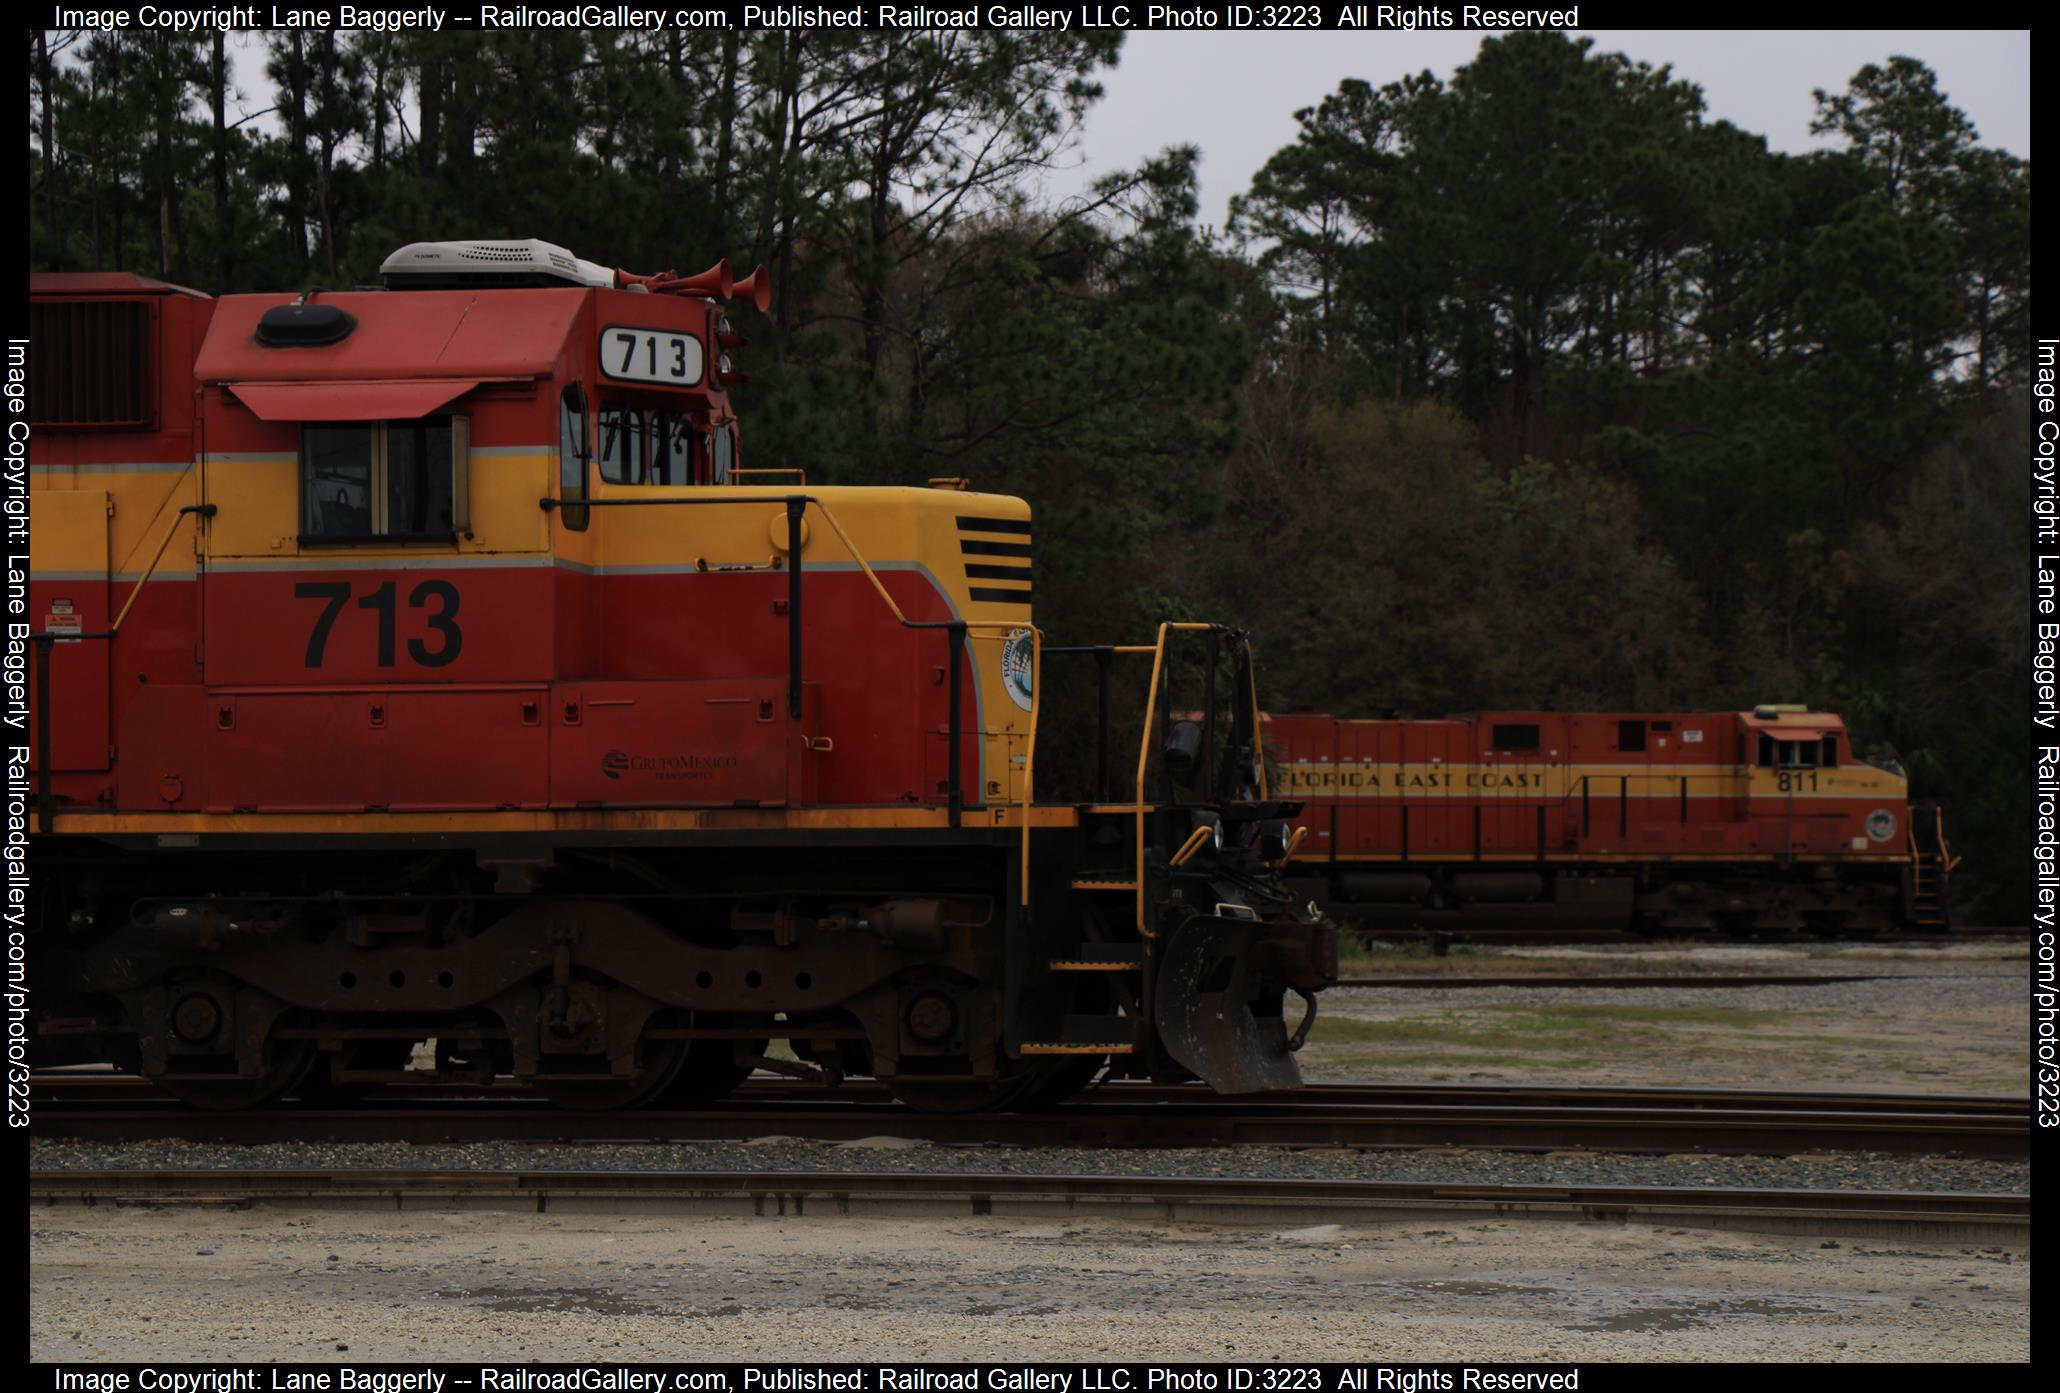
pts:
[1034, 1084]
[662, 1062]
[287, 1062]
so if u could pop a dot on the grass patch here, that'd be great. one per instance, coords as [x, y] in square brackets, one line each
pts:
[1449, 1064]
[1865, 1042]
[1354, 947]
[1740, 1017]
[1557, 1029]
[1420, 1032]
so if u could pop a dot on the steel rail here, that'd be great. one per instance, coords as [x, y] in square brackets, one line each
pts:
[68, 1084]
[1995, 1217]
[1620, 982]
[1590, 1124]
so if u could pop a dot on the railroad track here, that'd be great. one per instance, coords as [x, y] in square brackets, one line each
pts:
[1369, 1116]
[1906, 1214]
[1597, 934]
[1705, 980]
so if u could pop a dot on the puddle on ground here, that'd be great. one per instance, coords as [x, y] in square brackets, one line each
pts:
[598, 1301]
[1436, 1286]
[1702, 1313]
[1580, 1302]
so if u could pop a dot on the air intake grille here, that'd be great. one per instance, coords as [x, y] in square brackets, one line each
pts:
[489, 251]
[89, 363]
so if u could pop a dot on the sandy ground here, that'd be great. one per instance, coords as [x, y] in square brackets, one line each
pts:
[272, 1283]
[1955, 1020]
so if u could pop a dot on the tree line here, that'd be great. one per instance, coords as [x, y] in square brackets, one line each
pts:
[1528, 387]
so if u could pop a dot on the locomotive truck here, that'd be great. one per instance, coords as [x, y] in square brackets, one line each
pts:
[425, 688]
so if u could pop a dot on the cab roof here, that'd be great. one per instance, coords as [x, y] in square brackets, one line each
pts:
[422, 334]
[104, 283]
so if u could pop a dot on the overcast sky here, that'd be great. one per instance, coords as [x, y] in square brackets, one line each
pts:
[1235, 94]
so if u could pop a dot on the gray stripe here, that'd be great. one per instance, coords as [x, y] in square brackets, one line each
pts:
[316, 561]
[260, 456]
[282, 456]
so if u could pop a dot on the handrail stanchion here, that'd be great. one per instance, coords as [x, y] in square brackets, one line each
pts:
[795, 507]
[955, 643]
[1104, 661]
[1030, 748]
[1144, 753]
[44, 646]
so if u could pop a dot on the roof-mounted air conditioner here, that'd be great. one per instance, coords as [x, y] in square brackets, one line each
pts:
[470, 265]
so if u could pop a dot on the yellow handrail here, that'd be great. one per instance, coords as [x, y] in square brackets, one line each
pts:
[1003, 625]
[1026, 791]
[1189, 847]
[1258, 731]
[1030, 751]
[1294, 842]
[150, 570]
[1144, 754]
[1946, 859]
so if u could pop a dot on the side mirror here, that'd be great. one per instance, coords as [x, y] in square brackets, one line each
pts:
[575, 399]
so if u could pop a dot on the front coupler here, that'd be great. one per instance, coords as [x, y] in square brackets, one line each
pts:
[1217, 995]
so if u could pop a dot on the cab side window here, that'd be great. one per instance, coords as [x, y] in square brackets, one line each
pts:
[622, 443]
[647, 447]
[572, 455]
[384, 481]
[672, 449]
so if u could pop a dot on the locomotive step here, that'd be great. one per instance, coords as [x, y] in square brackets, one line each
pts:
[1101, 957]
[1090, 1035]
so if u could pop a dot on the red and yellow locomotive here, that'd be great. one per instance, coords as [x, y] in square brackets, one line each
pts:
[421, 663]
[1761, 821]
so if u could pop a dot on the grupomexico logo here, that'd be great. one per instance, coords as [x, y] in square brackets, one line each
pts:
[616, 763]
[1017, 677]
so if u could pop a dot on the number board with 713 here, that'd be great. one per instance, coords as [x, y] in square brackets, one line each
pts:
[662, 356]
